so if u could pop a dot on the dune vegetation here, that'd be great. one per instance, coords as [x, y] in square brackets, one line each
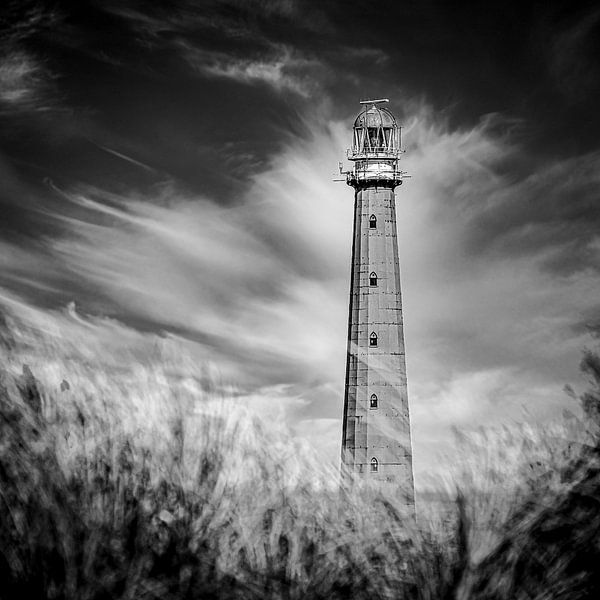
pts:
[131, 481]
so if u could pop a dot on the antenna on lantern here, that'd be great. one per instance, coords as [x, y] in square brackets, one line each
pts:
[374, 101]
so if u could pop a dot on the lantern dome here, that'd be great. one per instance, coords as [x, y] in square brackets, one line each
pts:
[375, 117]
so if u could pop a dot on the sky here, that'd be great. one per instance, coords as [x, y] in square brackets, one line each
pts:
[168, 172]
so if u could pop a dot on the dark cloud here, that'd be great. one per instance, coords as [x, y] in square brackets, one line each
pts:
[25, 79]
[572, 56]
[553, 213]
[20, 20]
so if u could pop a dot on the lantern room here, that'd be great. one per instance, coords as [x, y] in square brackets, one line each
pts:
[376, 148]
[376, 133]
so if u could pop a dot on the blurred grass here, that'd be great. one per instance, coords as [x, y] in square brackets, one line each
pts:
[120, 477]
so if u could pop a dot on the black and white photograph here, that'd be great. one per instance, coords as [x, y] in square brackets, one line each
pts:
[299, 300]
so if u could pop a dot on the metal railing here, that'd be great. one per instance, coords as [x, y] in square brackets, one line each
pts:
[378, 152]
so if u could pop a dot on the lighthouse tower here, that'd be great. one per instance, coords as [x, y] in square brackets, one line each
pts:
[376, 441]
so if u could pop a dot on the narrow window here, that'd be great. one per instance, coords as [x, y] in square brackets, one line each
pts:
[373, 279]
[373, 400]
[373, 222]
[374, 465]
[373, 339]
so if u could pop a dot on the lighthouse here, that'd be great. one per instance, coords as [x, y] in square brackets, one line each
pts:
[376, 439]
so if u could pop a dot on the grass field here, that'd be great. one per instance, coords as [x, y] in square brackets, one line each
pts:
[127, 480]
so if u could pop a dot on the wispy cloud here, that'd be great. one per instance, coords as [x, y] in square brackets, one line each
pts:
[557, 223]
[234, 19]
[282, 70]
[211, 272]
[127, 158]
[23, 82]
[253, 57]
[24, 78]
[547, 214]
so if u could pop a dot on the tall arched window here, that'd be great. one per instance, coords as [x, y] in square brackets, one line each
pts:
[374, 465]
[373, 278]
[373, 222]
[373, 339]
[374, 401]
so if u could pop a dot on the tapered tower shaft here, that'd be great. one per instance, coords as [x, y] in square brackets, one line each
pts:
[376, 442]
